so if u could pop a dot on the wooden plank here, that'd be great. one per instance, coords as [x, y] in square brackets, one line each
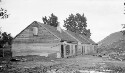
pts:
[35, 48]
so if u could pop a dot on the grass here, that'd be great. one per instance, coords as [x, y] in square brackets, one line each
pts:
[117, 69]
[36, 64]
[14, 69]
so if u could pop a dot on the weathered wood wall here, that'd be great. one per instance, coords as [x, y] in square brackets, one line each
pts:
[44, 36]
[23, 49]
[89, 48]
[25, 43]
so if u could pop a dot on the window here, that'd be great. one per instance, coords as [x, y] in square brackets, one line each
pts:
[35, 31]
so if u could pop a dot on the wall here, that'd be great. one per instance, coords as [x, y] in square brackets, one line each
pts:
[24, 49]
[69, 50]
[84, 49]
[79, 51]
[27, 36]
[26, 43]
[89, 48]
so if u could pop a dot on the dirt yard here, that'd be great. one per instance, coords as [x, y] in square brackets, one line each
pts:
[79, 64]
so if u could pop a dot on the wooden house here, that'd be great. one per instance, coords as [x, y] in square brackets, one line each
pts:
[85, 44]
[45, 40]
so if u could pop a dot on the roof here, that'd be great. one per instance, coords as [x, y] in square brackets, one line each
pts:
[81, 38]
[76, 36]
[62, 35]
[88, 39]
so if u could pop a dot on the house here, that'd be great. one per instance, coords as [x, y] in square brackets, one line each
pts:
[45, 40]
[85, 44]
[92, 44]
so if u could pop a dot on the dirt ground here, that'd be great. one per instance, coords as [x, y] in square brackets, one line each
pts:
[66, 65]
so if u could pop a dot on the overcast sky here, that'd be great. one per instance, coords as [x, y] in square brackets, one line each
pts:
[103, 16]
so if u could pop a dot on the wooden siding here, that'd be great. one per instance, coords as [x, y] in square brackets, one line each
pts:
[43, 36]
[44, 43]
[23, 49]
[88, 49]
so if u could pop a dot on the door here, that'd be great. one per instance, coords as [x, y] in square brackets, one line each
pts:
[76, 50]
[62, 51]
[83, 50]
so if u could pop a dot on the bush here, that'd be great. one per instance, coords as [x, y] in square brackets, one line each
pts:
[6, 53]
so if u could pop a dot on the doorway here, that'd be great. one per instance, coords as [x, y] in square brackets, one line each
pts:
[62, 51]
[76, 51]
[83, 50]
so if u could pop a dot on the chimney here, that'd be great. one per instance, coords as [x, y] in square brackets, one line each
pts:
[59, 28]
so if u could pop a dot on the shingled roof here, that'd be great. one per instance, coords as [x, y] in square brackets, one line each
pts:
[77, 37]
[81, 38]
[88, 39]
[62, 35]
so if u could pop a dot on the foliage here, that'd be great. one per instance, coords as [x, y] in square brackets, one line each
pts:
[3, 14]
[117, 46]
[77, 23]
[123, 32]
[117, 57]
[5, 39]
[116, 69]
[6, 53]
[52, 20]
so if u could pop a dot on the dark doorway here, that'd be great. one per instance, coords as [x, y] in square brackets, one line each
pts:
[82, 50]
[62, 51]
[76, 47]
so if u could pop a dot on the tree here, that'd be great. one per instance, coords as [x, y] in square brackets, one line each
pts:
[3, 14]
[123, 27]
[53, 20]
[77, 23]
[5, 39]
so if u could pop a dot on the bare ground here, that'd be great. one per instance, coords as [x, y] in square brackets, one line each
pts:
[43, 65]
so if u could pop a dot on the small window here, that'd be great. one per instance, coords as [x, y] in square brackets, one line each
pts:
[35, 31]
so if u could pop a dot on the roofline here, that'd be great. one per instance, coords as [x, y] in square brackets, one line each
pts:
[40, 25]
[24, 29]
[48, 30]
[88, 40]
[72, 36]
[85, 39]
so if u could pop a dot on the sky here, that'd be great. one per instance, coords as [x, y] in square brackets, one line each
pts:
[103, 16]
